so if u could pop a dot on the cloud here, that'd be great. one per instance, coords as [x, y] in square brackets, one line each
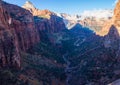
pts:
[115, 2]
[101, 13]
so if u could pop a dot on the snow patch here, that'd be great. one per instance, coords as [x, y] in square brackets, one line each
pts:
[97, 13]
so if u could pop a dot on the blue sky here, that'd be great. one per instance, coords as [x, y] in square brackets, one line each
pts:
[68, 6]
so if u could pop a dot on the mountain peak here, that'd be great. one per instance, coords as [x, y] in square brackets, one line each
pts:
[29, 5]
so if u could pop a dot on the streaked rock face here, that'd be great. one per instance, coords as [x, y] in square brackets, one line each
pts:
[17, 32]
[20, 30]
[116, 17]
[9, 50]
[23, 24]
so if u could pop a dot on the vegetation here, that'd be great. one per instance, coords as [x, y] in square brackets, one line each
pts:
[47, 50]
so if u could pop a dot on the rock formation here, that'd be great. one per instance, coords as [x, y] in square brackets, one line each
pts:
[23, 23]
[20, 30]
[54, 24]
[114, 21]
[36, 12]
[17, 33]
[45, 20]
[98, 63]
[9, 50]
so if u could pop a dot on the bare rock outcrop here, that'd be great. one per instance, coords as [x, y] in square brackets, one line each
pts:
[17, 33]
[114, 21]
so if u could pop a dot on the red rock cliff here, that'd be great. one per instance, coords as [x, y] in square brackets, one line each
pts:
[114, 21]
[45, 20]
[17, 32]
[23, 23]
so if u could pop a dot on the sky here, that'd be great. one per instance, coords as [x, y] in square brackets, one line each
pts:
[68, 6]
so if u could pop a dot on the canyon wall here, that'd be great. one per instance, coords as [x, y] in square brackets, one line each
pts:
[17, 32]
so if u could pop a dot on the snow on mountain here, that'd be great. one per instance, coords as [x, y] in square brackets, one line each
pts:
[87, 18]
[97, 13]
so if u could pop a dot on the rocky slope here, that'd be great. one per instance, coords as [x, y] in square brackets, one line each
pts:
[96, 61]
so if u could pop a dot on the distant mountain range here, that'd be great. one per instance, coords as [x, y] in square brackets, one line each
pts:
[94, 19]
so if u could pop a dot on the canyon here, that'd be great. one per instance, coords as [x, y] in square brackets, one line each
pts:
[40, 47]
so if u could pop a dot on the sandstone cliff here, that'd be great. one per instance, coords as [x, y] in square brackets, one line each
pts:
[36, 12]
[17, 33]
[114, 21]
[45, 20]
[20, 30]
[23, 23]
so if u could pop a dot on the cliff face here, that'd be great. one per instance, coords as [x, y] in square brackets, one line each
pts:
[45, 20]
[9, 48]
[36, 12]
[111, 31]
[20, 30]
[23, 23]
[17, 32]
[111, 40]
[52, 25]
[114, 21]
